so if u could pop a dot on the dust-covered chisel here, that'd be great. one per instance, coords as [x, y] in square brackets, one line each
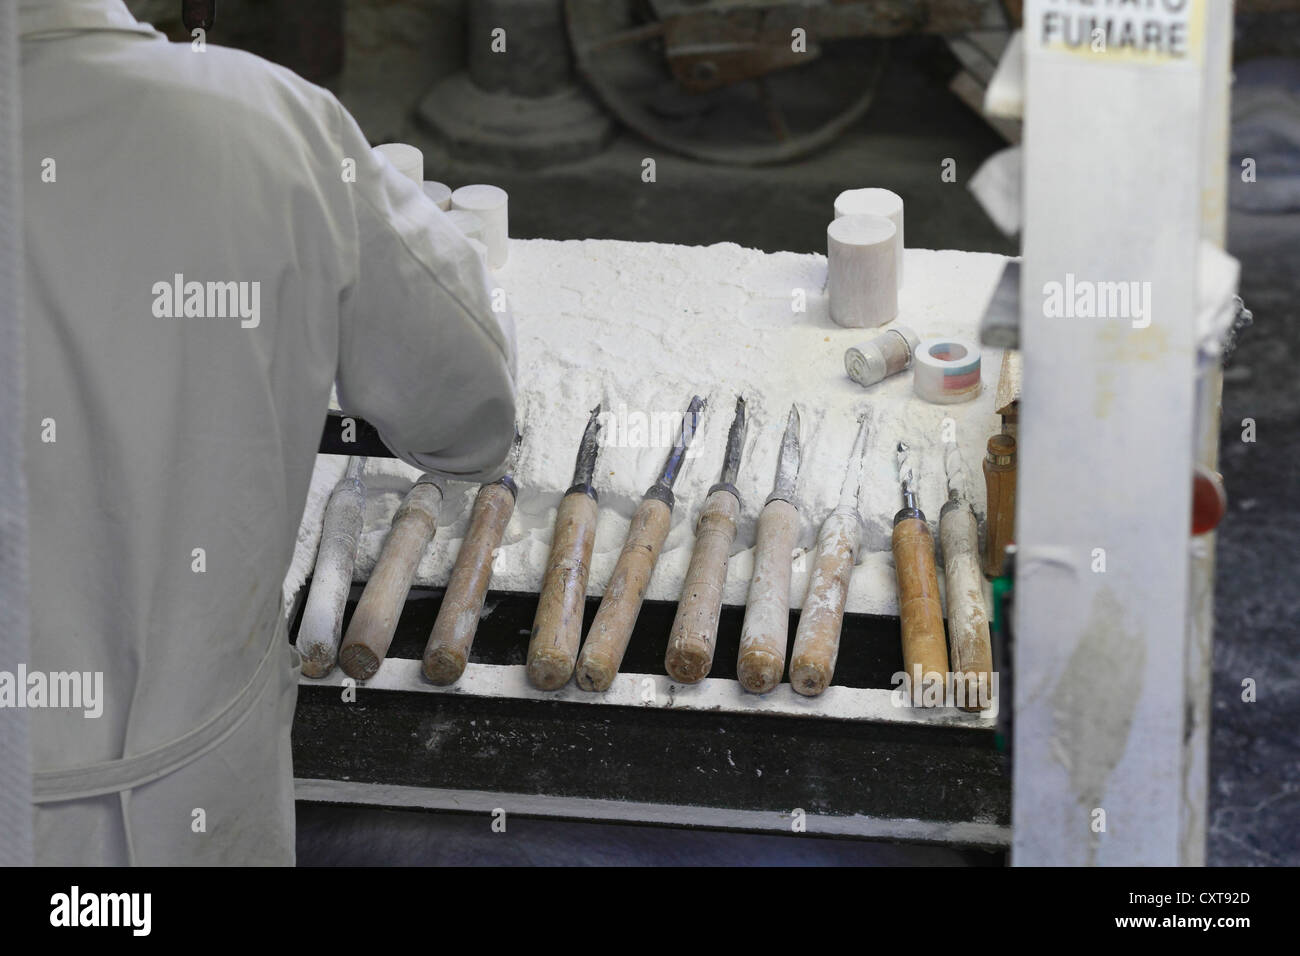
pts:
[925, 652]
[695, 628]
[968, 618]
[766, 629]
[370, 631]
[557, 628]
[447, 650]
[817, 637]
[611, 629]
[331, 581]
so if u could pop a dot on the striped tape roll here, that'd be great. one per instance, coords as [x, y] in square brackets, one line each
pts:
[947, 371]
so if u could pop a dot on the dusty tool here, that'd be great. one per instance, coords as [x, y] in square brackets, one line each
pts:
[695, 628]
[447, 650]
[373, 622]
[612, 627]
[925, 653]
[817, 637]
[557, 628]
[1000, 501]
[968, 616]
[322, 616]
[766, 629]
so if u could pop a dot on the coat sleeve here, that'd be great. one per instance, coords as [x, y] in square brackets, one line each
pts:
[423, 354]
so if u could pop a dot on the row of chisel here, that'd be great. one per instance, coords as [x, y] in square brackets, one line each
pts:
[556, 651]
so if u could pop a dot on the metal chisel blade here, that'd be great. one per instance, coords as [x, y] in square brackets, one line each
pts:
[787, 466]
[735, 445]
[690, 423]
[585, 466]
[954, 470]
[907, 477]
[853, 472]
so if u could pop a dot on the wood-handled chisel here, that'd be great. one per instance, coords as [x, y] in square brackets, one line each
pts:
[373, 623]
[557, 628]
[925, 652]
[331, 581]
[447, 650]
[817, 636]
[766, 629]
[695, 628]
[602, 654]
[968, 617]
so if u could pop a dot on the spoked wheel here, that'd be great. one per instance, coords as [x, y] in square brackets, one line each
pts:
[724, 87]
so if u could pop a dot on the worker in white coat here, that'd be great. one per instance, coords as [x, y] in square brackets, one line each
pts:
[210, 245]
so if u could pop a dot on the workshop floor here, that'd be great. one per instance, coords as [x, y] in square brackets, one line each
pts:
[914, 126]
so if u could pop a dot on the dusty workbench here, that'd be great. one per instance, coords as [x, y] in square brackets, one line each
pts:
[639, 328]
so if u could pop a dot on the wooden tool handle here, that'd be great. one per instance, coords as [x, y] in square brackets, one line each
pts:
[695, 628]
[968, 619]
[1000, 499]
[375, 619]
[453, 631]
[611, 630]
[322, 616]
[557, 628]
[817, 638]
[919, 609]
[766, 630]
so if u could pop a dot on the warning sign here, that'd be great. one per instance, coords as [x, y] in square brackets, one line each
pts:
[1153, 31]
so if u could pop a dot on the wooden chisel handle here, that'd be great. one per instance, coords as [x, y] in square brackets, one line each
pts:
[695, 628]
[919, 610]
[817, 638]
[322, 617]
[557, 628]
[375, 619]
[1000, 499]
[766, 630]
[611, 630]
[453, 631]
[968, 619]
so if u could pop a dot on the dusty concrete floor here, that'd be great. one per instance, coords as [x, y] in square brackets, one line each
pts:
[1255, 753]
[915, 124]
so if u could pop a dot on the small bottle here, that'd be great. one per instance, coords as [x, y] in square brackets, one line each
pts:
[1000, 486]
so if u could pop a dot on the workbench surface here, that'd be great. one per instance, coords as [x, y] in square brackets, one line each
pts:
[639, 328]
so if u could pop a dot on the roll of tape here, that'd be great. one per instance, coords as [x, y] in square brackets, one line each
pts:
[947, 371]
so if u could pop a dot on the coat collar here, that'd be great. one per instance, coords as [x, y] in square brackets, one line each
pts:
[39, 17]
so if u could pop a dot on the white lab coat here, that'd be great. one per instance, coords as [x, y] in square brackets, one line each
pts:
[164, 510]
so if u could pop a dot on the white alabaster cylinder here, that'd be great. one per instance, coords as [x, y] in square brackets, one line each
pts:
[490, 204]
[861, 279]
[405, 158]
[875, 202]
[470, 224]
[439, 193]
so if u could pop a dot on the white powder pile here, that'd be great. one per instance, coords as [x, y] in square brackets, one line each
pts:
[640, 328]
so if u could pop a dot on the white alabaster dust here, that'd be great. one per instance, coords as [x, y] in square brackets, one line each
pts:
[640, 328]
